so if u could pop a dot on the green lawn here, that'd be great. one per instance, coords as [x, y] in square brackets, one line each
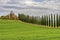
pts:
[17, 30]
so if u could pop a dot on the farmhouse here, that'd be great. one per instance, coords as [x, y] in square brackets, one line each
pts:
[11, 16]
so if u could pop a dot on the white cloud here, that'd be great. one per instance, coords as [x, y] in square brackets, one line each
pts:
[4, 1]
[50, 4]
[53, 4]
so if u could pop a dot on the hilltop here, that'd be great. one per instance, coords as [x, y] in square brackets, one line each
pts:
[17, 30]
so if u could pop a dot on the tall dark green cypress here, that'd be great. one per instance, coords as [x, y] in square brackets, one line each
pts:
[39, 21]
[46, 20]
[27, 19]
[54, 20]
[42, 20]
[49, 21]
[57, 20]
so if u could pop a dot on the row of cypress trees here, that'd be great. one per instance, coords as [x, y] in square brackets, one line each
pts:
[52, 20]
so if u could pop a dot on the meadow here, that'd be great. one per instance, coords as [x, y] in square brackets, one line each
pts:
[17, 30]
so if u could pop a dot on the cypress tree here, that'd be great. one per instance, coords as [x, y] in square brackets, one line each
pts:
[57, 20]
[33, 19]
[46, 20]
[54, 20]
[42, 20]
[22, 17]
[39, 20]
[49, 21]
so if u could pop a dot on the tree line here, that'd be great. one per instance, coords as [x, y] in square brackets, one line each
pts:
[52, 20]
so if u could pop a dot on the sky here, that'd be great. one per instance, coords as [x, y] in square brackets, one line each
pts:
[30, 7]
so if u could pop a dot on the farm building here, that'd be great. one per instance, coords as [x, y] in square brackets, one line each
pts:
[10, 16]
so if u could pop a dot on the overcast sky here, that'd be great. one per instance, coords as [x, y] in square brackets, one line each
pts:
[31, 7]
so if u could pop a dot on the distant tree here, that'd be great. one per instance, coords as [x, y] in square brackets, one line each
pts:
[39, 21]
[28, 18]
[57, 20]
[49, 21]
[46, 20]
[54, 20]
[42, 20]
[22, 17]
[36, 20]
[33, 19]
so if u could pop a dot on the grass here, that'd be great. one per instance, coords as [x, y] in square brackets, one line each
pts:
[17, 30]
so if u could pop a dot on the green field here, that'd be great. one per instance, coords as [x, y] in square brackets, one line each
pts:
[17, 30]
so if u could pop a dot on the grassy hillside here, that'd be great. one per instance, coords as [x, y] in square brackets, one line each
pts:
[17, 30]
